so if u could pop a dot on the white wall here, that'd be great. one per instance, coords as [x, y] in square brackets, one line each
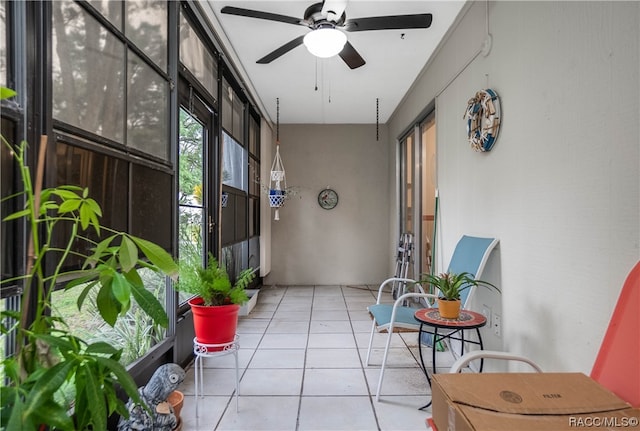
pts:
[561, 187]
[346, 245]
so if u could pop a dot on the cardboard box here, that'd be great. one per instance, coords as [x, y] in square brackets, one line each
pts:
[527, 402]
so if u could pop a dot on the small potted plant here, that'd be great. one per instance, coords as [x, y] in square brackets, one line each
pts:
[450, 286]
[217, 300]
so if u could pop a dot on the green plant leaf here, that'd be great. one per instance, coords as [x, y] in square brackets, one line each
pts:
[65, 193]
[84, 293]
[158, 256]
[69, 206]
[107, 306]
[17, 215]
[146, 300]
[122, 376]
[54, 415]
[121, 290]
[17, 419]
[128, 255]
[95, 400]
[46, 385]
[85, 216]
[101, 347]
[99, 251]
[93, 205]
[61, 343]
[6, 93]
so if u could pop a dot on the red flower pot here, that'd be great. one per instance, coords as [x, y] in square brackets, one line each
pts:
[214, 324]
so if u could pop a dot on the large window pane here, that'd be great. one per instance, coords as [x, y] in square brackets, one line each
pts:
[105, 177]
[8, 186]
[3, 42]
[190, 191]
[254, 137]
[134, 332]
[428, 188]
[197, 58]
[87, 72]
[227, 106]
[234, 162]
[146, 26]
[151, 205]
[110, 9]
[147, 109]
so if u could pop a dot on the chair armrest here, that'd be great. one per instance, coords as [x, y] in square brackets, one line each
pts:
[393, 280]
[400, 301]
[464, 360]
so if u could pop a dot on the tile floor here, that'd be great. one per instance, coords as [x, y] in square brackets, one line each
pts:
[302, 366]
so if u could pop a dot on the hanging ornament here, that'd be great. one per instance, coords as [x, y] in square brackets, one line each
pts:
[278, 180]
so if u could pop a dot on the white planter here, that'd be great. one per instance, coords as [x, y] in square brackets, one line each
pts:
[253, 299]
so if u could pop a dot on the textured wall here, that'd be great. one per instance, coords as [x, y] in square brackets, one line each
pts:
[346, 245]
[561, 188]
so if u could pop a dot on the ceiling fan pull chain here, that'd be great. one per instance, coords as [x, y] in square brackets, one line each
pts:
[377, 119]
[277, 121]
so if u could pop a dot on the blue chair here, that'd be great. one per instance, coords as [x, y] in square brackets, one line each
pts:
[470, 255]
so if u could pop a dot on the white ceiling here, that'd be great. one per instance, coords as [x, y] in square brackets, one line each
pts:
[393, 61]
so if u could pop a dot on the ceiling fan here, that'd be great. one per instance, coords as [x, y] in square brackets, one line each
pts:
[326, 20]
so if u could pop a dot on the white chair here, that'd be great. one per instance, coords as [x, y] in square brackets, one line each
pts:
[470, 255]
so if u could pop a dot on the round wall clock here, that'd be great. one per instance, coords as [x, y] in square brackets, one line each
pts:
[328, 199]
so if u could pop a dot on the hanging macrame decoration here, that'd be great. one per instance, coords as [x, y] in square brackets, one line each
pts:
[483, 119]
[278, 181]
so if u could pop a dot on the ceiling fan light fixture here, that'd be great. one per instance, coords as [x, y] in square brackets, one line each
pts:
[325, 42]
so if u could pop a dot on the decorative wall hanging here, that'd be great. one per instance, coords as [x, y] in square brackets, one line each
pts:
[328, 199]
[483, 119]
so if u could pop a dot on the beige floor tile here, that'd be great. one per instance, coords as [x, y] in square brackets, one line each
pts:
[333, 358]
[270, 382]
[261, 414]
[278, 358]
[322, 381]
[336, 413]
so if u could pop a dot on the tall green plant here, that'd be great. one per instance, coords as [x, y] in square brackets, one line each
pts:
[49, 357]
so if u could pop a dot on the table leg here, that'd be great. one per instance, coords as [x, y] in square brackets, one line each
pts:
[434, 349]
[424, 367]
[481, 347]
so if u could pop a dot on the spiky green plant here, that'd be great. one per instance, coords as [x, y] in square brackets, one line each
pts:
[450, 285]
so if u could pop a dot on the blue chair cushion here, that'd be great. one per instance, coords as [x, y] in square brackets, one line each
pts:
[404, 315]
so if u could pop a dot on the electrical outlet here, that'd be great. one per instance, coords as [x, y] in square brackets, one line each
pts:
[486, 312]
[497, 325]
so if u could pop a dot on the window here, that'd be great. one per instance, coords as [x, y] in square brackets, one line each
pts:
[195, 56]
[88, 65]
[192, 190]
[146, 27]
[417, 192]
[147, 109]
[4, 37]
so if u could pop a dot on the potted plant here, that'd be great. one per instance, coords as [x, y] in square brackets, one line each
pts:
[450, 286]
[217, 300]
[50, 360]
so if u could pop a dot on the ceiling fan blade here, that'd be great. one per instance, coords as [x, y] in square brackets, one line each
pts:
[261, 15]
[281, 51]
[391, 22]
[351, 56]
